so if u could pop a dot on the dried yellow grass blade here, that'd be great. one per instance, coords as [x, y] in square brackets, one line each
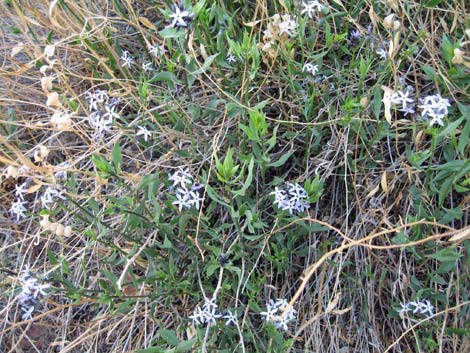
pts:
[383, 182]
[333, 304]
[33, 189]
[252, 24]
[17, 49]
[464, 234]
[51, 17]
[341, 311]
[387, 103]
[283, 4]
[146, 22]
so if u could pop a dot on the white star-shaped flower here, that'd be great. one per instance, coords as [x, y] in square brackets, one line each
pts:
[182, 200]
[157, 50]
[143, 131]
[20, 191]
[50, 195]
[181, 177]
[231, 59]
[355, 34]
[27, 313]
[434, 107]
[437, 119]
[288, 27]
[198, 316]
[110, 113]
[128, 61]
[17, 209]
[407, 110]
[230, 318]
[147, 66]
[310, 68]
[382, 53]
[402, 98]
[179, 17]
[311, 8]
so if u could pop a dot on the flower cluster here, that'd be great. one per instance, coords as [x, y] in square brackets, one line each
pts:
[62, 168]
[355, 35]
[31, 291]
[208, 314]
[279, 313]
[17, 208]
[102, 112]
[50, 196]
[311, 8]
[418, 307]
[279, 28]
[291, 197]
[404, 100]
[434, 107]
[187, 192]
[288, 26]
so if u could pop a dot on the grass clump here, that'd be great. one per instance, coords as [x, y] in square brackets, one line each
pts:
[234, 176]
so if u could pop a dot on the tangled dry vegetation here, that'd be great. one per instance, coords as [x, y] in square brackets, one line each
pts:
[168, 167]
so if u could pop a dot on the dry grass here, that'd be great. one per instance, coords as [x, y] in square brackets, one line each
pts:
[344, 265]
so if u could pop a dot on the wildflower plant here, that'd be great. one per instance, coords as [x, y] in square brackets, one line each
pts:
[422, 307]
[279, 313]
[153, 153]
[291, 197]
[434, 108]
[187, 192]
[32, 290]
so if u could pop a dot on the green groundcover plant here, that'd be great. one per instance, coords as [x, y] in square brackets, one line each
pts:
[235, 176]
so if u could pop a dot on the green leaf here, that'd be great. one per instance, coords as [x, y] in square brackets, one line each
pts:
[164, 76]
[280, 162]
[185, 346]
[211, 268]
[445, 255]
[248, 181]
[227, 169]
[464, 138]
[172, 33]
[215, 196]
[205, 66]
[377, 101]
[447, 49]
[116, 157]
[169, 336]
[433, 3]
[199, 6]
[457, 331]
[113, 279]
[258, 122]
[271, 142]
[251, 133]
[429, 71]
[151, 350]
[102, 166]
[449, 128]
